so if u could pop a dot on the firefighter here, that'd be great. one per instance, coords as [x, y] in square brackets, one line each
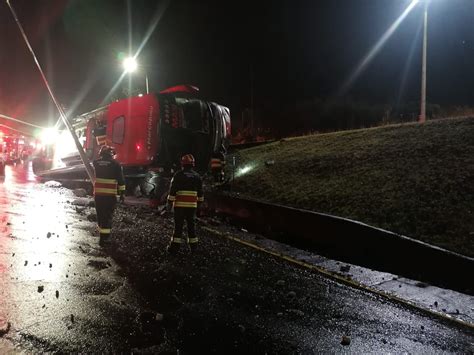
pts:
[217, 166]
[185, 195]
[109, 182]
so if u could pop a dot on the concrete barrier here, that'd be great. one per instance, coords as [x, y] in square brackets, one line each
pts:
[350, 241]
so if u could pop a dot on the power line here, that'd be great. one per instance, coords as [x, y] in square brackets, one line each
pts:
[17, 130]
[20, 121]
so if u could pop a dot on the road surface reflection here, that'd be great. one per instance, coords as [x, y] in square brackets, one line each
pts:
[31, 249]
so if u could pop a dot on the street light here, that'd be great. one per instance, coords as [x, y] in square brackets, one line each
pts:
[422, 118]
[130, 65]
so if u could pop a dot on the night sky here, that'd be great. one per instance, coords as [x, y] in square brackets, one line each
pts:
[282, 51]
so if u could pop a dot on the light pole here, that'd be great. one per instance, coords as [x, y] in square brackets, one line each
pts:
[422, 118]
[130, 65]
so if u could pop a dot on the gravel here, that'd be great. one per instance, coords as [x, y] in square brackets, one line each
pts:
[228, 298]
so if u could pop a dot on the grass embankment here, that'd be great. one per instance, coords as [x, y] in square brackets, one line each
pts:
[416, 180]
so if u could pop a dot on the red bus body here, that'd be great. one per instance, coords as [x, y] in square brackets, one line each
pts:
[132, 129]
[152, 131]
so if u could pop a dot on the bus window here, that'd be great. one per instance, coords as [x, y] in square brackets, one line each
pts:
[118, 130]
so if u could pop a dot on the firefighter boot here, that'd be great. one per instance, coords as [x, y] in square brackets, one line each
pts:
[104, 240]
[193, 244]
[172, 248]
[193, 247]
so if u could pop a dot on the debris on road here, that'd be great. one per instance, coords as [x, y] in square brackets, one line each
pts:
[280, 283]
[224, 296]
[92, 217]
[128, 220]
[80, 210]
[4, 327]
[53, 184]
[296, 312]
[212, 222]
[80, 192]
[82, 201]
[346, 340]
[345, 268]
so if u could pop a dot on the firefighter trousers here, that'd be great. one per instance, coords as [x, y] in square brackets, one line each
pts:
[105, 206]
[218, 175]
[182, 214]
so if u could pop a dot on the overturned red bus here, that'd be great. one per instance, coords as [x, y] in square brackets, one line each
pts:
[149, 133]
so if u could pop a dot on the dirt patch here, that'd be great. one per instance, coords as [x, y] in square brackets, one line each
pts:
[415, 180]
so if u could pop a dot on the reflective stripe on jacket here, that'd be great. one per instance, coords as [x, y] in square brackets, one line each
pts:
[186, 189]
[105, 187]
[109, 177]
[216, 163]
[186, 199]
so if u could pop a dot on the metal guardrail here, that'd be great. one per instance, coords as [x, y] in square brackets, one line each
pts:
[349, 241]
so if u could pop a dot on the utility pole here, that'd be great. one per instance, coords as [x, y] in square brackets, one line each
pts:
[422, 118]
[80, 149]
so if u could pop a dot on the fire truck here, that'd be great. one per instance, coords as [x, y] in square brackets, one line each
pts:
[149, 134]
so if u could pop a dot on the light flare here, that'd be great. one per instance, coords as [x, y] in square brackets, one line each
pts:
[64, 146]
[156, 19]
[244, 170]
[363, 64]
[45, 214]
[407, 64]
[49, 135]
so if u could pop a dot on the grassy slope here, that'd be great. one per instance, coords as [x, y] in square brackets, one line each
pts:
[417, 180]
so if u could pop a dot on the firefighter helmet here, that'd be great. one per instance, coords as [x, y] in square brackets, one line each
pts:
[187, 159]
[106, 151]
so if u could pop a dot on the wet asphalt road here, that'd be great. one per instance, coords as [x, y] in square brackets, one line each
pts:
[60, 292]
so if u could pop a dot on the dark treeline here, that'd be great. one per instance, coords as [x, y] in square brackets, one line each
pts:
[317, 115]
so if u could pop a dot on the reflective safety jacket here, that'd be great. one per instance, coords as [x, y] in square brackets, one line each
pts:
[109, 180]
[186, 189]
[218, 162]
